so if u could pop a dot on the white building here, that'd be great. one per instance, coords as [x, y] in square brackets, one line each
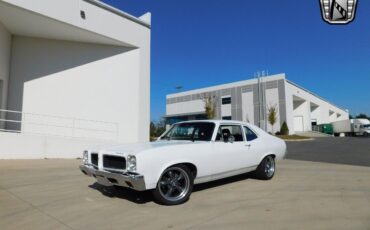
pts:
[72, 73]
[250, 100]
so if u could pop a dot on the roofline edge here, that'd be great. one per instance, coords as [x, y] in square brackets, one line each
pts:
[117, 12]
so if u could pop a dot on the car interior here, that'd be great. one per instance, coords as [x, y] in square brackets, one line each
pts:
[229, 133]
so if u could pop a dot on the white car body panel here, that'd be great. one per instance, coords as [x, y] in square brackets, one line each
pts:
[213, 160]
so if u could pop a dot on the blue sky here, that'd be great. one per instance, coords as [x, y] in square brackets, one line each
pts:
[199, 43]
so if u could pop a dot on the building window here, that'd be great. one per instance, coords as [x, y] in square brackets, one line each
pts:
[226, 118]
[226, 100]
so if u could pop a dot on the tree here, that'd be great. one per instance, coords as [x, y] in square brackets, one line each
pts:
[157, 128]
[160, 127]
[284, 130]
[210, 106]
[153, 129]
[272, 116]
[362, 116]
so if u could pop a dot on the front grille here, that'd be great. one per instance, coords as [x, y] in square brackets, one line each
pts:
[94, 159]
[114, 162]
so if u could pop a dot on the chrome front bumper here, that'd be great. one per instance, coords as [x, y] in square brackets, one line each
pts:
[128, 180]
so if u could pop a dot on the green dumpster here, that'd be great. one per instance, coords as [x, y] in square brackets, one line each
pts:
[326, 128]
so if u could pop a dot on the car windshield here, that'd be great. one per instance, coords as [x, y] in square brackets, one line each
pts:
[367, 126]
[192, 131]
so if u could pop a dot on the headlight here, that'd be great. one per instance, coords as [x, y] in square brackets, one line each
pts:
[85, 157]
[131, 163]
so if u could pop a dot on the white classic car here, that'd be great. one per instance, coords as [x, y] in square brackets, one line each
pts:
[189, 153]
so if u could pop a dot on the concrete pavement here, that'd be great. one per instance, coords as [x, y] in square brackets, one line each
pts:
[53, 194]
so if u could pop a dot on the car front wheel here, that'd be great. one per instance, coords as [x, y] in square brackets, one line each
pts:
[174, 186]
[266, 169]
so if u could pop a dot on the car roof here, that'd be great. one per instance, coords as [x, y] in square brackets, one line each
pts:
[256, 129]
[214, 121]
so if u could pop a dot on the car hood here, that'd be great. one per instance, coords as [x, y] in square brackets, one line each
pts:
[135, 148]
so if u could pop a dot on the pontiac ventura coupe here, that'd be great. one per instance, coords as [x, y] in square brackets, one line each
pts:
[188, 153]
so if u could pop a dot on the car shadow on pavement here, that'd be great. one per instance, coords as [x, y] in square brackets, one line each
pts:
[124, 193]
[221, 182]
[146, 196]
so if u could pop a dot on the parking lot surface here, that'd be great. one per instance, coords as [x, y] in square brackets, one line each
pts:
[53, 194]
[346, 150]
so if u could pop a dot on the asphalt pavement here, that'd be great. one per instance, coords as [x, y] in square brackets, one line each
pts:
[338, 150]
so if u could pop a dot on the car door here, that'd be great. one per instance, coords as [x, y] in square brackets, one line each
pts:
[229, 152]
[254, 145]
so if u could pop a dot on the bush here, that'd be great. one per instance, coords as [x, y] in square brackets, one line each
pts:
[277, 133]
[284, 130]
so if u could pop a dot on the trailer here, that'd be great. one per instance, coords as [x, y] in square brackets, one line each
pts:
[352, 127]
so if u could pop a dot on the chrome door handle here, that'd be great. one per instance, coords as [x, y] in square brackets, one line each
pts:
[248, 145]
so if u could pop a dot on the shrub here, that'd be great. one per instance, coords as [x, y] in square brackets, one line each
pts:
[277, 133]
[284, 130]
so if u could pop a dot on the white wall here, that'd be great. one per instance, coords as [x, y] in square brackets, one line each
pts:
[88, 81]
[248, 107]
[316, 114]
[321, 113]
[27, 146]
[143, 92]
[97, 20]
[97, 68]
[5, 46]
[195, 106]
[332, 116]
[303, 110]
[226, 108]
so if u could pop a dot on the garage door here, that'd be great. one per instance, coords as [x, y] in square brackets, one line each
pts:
[298, 124]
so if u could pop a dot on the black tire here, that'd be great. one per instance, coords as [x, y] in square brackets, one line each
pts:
[174, 186]
[266, 169]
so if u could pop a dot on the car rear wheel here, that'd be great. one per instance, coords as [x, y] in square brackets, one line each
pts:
[174, 186]
[266, 169]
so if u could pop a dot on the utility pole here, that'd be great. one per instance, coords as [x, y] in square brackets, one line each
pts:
[262, 99]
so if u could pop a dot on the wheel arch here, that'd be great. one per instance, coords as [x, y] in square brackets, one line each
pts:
[192, 167]
[268, 154]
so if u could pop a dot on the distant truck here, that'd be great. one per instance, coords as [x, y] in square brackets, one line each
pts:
[352, 127]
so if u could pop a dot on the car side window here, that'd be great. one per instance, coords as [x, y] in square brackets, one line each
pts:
[229, 133]
[249, 134]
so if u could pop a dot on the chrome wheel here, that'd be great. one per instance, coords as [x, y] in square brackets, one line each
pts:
[270, 166]
[174, 184]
